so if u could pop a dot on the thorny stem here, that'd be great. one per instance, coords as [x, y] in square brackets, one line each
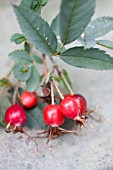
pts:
[15, 92]
[59, 92]
[52, 92]
[45, 66]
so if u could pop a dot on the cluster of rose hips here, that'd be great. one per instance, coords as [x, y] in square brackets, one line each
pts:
[71, 106]
[15, 115]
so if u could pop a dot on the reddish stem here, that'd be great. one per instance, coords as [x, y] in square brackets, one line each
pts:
[45, 65]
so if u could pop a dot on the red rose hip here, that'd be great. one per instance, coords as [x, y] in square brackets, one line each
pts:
[53, 116]
[81, 102]
[16, 115]
[28, 99]
[68, 95]
[69, 108]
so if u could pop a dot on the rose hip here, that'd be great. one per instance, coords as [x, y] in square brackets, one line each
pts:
[29, 99]
[15, 115]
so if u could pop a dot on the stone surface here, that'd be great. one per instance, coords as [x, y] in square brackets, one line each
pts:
[94, 149]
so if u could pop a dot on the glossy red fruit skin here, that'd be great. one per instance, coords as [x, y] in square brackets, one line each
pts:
[80, 100]
[16, 115]
[28, 99]
[53, 116]
[68, 95]
[69, 108]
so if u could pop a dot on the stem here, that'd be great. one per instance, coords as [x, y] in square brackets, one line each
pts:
[60, 73]
[9, 73]
[58, 90]
[3, 91]
[15, 92]
[62, 46]
[51, 58]
[45, 66]
[52, 93]
[66, 83]
[64, 80]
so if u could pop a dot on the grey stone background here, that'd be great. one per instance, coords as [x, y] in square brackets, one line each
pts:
[94, 149]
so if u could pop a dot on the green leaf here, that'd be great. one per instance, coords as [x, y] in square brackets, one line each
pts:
[33, 82]
[32, 5]
[2, 112]
[43, 2]
[68, 124]
[37, 59]
[59, 46]
[89, 58]
[89, 43]
[27, 47]
[34, 118]
[81, 40]
[4, 104]
[4, 83]
[21, 72]
[99, 27]
[57, 78]
[105, 43]
[20, 56]
[55, 25]
[74, 17]
[36, 30]
[17, 38]
[21, 90]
